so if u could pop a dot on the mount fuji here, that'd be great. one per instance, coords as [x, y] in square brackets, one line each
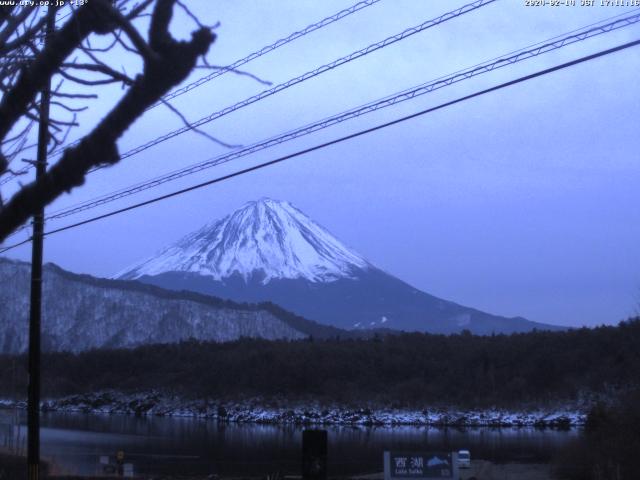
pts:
[269, 250]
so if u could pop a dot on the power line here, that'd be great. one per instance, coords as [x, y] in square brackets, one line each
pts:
[16, 245]
[498, 62]
[306, 76]
[405, 95]
[269, 48]
[301, 78]
[238, 63]
[311, 74]
[260, 166]
[258, 53]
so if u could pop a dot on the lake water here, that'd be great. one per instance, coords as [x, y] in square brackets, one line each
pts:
[157, 445]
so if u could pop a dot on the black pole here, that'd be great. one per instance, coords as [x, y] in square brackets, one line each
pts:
[33, 402]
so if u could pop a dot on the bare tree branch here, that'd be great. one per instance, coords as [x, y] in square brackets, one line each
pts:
[171, 63]
[74, 95]
[91, 17]
[68, 108]
[12, 25]
[237, 72]
[136, 39]
[138, 9]
[24, 37]
[194, 129]
[92, 83]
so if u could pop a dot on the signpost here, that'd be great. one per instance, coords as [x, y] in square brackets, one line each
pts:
[127, 470]
[421, 465]
[118, 468]
[120, 463]
[314, 455]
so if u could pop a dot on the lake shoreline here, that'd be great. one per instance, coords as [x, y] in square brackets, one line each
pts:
[256, 411]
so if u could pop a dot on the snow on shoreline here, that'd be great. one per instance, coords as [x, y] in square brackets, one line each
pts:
[155, 404]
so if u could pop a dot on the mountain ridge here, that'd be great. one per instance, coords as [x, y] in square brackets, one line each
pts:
[82, 312]
[334, 285]
[265, 238]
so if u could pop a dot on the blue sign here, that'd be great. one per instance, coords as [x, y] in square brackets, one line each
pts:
[415, 466]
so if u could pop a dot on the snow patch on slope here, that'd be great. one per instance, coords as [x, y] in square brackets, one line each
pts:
[266, 238]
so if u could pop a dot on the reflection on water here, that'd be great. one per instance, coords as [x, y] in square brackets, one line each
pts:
[193, 446]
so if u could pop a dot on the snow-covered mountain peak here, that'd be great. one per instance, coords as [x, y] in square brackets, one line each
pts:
[267, 239]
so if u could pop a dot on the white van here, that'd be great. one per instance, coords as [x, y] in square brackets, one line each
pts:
[464, 459]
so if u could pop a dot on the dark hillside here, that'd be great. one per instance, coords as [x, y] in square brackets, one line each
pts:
[407, 369]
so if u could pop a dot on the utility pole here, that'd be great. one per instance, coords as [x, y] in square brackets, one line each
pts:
[35, 314]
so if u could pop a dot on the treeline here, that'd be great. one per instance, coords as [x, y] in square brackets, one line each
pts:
[403, 370]
[610, 445]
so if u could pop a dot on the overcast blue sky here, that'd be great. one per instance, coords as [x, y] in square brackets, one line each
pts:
[521, 202]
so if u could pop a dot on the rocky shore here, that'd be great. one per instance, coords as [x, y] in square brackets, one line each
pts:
[261, 412]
